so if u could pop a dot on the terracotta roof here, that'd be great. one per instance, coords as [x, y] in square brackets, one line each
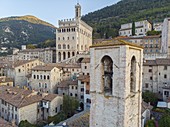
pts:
[66, 83]
[4, 123]
[21, 97]
[86, 60]
[21, 62]
[84, 78]
[43, 68]
[114, 42]
[157, 62]
[5, 79]
[80, 121]
[64, 65]
[143, 37]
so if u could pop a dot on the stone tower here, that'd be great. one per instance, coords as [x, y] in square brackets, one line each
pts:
[73, 37]
[116, 84]
[78, 11]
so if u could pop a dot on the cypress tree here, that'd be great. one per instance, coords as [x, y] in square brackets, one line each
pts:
[133, 29]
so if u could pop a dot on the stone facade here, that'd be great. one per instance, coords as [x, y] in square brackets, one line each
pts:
[45, 78]
[156, 75]
[47, 55]
[151, 44]
[72, 37]
[116, 84]
[20, 69]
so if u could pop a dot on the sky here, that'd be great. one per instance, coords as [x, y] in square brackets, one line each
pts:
[50, 10]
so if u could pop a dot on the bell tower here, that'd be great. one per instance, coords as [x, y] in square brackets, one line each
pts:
[77, 11]
[116, 84]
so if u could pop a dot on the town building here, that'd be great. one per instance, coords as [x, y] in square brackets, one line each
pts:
[158, 26]
[20, 104]
[156, 75]
[165, 48]
[141, 28]
[116, 84]
[20, 69]
[73, 37]
[152, 45]
[6, 81]
[47, 55]
[45, 78]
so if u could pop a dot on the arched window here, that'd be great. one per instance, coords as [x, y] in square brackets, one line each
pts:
[44, 76]
[39, 84]
[48, 77]
[107, 67]
[64, 55]
[59, 46]
[34, 76]
[68, 46]
[67, 38]
[64, 46]
[63, 38]
[68, 54]
[37, 76]
[45, 85]
[73, 54]
[59, 56]
[133, 74]
[41, 76]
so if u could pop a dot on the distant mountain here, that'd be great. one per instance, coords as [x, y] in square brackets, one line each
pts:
[106, 22]
[23, 30]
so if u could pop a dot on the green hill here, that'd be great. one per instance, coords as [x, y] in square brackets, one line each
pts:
[106, 22]
[18, 30]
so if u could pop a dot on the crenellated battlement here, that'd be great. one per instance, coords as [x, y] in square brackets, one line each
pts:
[67, 20]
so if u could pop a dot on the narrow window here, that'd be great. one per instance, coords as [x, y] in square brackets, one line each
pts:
[133, 74]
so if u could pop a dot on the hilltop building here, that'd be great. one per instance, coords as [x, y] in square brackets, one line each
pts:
[141, 28]
[116, 84]
[73, 37]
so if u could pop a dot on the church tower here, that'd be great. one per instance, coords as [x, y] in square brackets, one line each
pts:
[116, 84]
[78, 11]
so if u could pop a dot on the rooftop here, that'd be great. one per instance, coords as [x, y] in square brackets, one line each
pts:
[43, 68]
[86, 60]
[157, 62]
[114, 42]
[21, 97]
[84, 78]
[4, 123]
[65, 84]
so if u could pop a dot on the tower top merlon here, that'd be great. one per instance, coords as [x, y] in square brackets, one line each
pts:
[78, 11]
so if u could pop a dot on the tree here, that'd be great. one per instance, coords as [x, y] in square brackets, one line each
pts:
[25, 123]
[70, 104]
[133, 29]
[150, 97]
[165, 121]
[30, 46]
[153, 32]
[150, 123]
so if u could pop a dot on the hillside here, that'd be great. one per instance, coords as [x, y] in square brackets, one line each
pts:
[15, 31]
[106, 22]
